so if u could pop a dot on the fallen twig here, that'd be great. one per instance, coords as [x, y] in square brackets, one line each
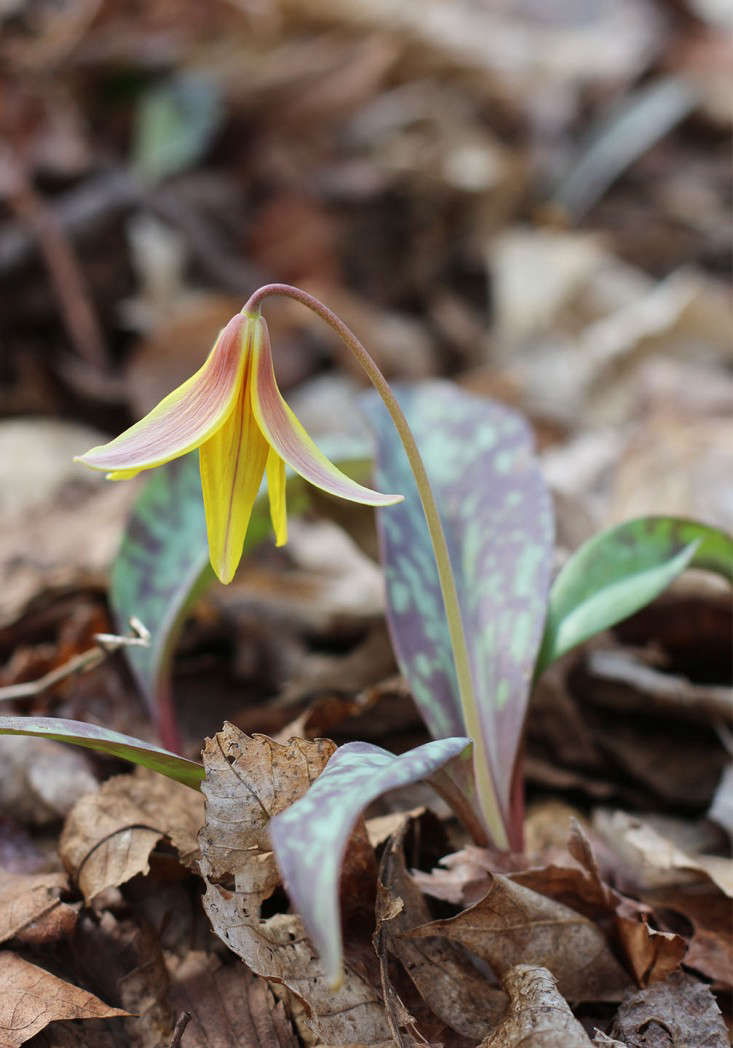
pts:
[105, 644]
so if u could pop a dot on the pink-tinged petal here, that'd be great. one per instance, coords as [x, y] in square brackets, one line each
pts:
[275, 469]
[286, 435]
[186, 417]
[232, 465]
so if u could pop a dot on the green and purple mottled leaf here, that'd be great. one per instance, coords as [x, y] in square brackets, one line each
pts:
[309, 837]
[497, 516]
[621, 570]
[163, 562]
[95, 737]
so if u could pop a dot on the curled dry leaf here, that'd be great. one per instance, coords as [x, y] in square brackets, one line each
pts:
[667, 878]
[32, 997]
[650, 955]
[449, 984]
[679, 1011]
[109, 835]
[538, 1015]
[513, 924]
[228, 1004]
[249, 780]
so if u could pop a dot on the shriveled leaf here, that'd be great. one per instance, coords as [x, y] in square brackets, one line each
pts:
[175, 123]
[32, 997]
[679, 1011]
[619, 571]
[95, 737]
[514, 925]
[538, 1014]
[497, 517]
[27, 897]
[249, 780]
[310, 837]
[442, 973]
[163, 561]
[109, 835]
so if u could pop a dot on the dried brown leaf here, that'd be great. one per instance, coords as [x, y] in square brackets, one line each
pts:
[27, 897]
[513, 924]
[32, 997]
[249, 780]
[229, 1005]
[651, 955]
[538, 1015]
[449, 984]
[679, 1011]
[109, 835]
[665, 877]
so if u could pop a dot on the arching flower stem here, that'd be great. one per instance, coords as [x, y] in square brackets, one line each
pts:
[484, 781]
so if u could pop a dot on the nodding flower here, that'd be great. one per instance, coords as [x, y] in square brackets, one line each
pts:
[234, 413]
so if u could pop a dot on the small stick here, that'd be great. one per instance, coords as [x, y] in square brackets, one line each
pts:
[181, 1023]
[106, 644]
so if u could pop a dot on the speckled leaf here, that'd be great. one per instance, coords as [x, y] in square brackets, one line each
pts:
[497, 517]
[309, 837]
[95, 737]
[617, 572]
[163, 562]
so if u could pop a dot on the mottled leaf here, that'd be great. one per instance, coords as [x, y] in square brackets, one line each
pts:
[174, 125]
[163, 562]
[310, 837]
[497, 517]
[95, 737]
[616, 573]
[248, 781]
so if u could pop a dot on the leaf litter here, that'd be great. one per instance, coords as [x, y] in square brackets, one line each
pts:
[405, 169]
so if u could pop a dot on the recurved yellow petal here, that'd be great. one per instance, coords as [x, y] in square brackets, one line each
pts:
[232, 464]
[185, 418]
[276, 490]
[286, 435]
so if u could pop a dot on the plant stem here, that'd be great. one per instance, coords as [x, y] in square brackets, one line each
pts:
[484, 780]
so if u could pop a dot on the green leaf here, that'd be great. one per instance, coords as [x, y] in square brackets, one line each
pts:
[174, 125]
[309, 838]
[163, 562]
[94, 737]
[497, 516]
[621, 570]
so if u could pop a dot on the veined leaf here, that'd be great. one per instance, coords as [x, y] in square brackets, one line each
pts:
[497, 516]
[95, 737]
[621, 570]
[309, 837]
[163, 562]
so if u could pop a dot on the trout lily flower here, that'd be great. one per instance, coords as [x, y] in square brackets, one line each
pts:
[234, 413]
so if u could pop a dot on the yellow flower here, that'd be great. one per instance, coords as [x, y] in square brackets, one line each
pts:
[234, 413]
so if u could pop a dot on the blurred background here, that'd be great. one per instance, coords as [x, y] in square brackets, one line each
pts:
[530, 197]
